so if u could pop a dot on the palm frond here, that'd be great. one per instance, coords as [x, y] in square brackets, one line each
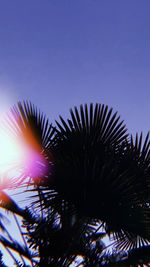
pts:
[27, 117]
[102, 172]
[98, 172]
[9, 204]
[60, 239]
[17, 247]
[31, 126]
[82, 145]
[98, 120]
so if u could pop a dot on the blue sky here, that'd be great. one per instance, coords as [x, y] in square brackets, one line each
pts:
[61, 53]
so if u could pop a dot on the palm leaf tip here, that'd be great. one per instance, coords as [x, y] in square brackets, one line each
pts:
[9, 204]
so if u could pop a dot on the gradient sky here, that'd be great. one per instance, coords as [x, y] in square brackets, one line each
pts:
[61, 53]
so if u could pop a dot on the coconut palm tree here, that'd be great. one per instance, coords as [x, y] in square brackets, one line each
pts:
[94, 181]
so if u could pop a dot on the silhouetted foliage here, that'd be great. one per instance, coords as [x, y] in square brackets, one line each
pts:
[97, 184]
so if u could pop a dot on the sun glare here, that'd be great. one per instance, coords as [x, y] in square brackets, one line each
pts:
[11, 151]
[20, 155]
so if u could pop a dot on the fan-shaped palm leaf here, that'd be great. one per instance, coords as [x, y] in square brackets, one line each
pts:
[98, 170]
[34, 129]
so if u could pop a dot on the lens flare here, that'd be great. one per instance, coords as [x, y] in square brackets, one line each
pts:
[11, 152]
[20, 153]
[35, 164]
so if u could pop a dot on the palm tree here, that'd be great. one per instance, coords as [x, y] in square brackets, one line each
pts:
[94, 182]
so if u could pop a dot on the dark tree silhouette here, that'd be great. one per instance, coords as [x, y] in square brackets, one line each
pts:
[96, 184]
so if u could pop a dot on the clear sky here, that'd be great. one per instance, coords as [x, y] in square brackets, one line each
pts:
[61, 53]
